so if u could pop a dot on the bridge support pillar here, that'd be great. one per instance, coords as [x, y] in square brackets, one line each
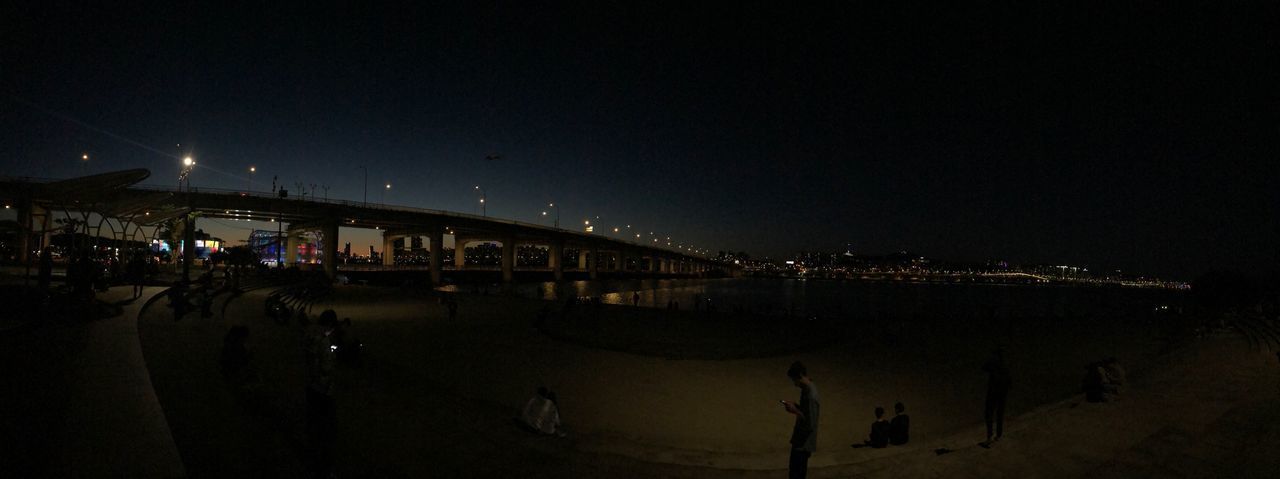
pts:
[436, 243]
[555, 259]
[329, 255]
[291, 248]
[508, 258]
[582, 258]
[388, 249]
[459, 253]
[188, 246]
[622, 261]
[595, 262]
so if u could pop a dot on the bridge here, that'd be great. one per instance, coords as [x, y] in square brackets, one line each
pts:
[117, 200]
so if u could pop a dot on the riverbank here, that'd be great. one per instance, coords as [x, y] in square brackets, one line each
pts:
[437, 394]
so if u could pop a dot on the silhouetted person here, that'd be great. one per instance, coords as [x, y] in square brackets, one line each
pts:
[998, 382]
[804, 435]
[1116, 375]
[349, 347]
[206, 302]
[879, 437]
[46, 268]
[635, 298]
[900, 426]
[137, 272]
[235, 355]
[321, 416]
[178, 299]
[1098, 384]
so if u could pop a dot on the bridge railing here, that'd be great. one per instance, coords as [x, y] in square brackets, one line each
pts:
[399, 208]
[358, 204]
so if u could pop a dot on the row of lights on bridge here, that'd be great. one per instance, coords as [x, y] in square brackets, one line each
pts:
[188, 163]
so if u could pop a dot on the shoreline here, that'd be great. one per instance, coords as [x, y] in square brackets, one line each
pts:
[490, 335]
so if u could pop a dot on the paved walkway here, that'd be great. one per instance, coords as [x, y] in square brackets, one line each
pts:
[114, 425]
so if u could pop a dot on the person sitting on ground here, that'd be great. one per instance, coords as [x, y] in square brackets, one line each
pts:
[1095, 383]
[879, 432]
[542, 414]
[900, 425]
[1115, 374]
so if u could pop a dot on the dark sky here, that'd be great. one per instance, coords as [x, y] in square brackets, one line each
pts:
[1134, 138]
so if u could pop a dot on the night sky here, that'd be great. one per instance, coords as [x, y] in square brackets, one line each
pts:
[1140, 139]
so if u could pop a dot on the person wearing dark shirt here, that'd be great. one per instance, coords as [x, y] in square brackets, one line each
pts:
[804, 436]
[899, 426]
[998, 382]
[879, 431]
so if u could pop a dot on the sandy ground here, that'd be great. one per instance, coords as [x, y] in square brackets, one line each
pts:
[437, 395]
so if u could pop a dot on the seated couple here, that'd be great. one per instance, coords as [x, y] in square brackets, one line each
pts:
[884, 432]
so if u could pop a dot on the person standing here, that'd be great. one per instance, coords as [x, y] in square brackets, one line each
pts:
[320, 353]
[804, 435]
[998, 382]
[46, 268]
[137, 272]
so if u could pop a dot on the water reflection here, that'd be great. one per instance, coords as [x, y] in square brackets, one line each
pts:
[854, 298]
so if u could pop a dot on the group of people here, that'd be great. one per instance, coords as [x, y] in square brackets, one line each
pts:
[885, 432]
[326, 342]
[180, 296]
[804, 434]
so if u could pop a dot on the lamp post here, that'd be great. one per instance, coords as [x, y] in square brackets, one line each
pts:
[185, 173]
[252, 170]
[188, 236]
[553, 205]
[384, 194]
[483, 207]
[366, 184]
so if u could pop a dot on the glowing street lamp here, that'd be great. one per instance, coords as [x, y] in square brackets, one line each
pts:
[252, 169]
[553, 205]
[483, 208]
[185, 173]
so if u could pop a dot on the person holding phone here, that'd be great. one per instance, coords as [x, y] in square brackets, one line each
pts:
[804, 436]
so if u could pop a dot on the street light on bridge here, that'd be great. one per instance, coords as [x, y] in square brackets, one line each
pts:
[483, 208]
[553, 205]
[252, 170]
